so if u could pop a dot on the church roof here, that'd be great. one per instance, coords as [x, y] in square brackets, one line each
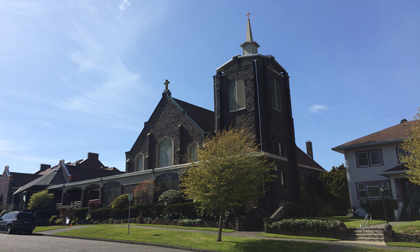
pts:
[204, 118]
[395, 133]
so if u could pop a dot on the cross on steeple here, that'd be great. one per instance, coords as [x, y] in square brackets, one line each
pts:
[166, 86]
[248, 15]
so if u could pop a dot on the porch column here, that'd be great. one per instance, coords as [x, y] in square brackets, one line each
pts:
[62, 195]
[82, 197]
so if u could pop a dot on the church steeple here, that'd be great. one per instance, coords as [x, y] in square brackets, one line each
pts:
[249, 46]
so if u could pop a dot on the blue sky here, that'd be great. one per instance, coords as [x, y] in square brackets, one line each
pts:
[84, 76]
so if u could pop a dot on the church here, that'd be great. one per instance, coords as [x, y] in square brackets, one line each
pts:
[250, 90]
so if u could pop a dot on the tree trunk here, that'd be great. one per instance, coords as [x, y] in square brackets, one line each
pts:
[219, 234]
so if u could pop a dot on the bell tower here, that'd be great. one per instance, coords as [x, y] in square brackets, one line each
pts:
[252, 90]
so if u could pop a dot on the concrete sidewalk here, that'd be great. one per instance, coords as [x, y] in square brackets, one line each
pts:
[332, 246]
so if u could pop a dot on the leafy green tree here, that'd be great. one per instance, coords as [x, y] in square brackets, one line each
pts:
[335, 183]
[40, 200]
[411, 146]
[229, 172]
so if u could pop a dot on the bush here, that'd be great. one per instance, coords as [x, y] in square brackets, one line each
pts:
[180, 211]
[305, 227]
[45, 214]
[40, 200]
[120, 202]
[299, 210]
[101, 213]
[171, 197]
[376, 207]
[150, 210]
[59, 221]
[53, 219]
[94, 204]
[80, 213]
[118, 214]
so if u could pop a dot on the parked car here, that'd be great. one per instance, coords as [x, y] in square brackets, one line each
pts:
[18, 222]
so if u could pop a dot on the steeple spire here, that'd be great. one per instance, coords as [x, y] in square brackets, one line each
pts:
[249, 46]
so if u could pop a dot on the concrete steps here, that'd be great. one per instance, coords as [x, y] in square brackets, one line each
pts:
[372, 234]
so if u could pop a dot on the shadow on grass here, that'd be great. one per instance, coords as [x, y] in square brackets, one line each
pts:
[272, 245]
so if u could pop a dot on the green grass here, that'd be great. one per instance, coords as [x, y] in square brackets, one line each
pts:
[298, 237]
[183, 227]
[46, 228]
[350, 222]
[190, 239]
[404, 244]
[362, 249]
[412, 227]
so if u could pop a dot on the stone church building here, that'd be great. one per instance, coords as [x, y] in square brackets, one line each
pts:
[250, 90]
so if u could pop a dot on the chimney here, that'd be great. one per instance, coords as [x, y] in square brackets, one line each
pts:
[309, 149]
[403, 120]
[44, 167]
[93, 156]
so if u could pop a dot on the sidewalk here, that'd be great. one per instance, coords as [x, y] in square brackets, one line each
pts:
[332, 246]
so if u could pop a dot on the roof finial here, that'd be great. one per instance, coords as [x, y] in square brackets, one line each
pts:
[166, 85]
[250, 46]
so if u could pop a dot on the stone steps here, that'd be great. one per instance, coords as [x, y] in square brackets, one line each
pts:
[372, 234]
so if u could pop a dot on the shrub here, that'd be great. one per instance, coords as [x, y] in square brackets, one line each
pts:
[376, 208]
[150, 210]
[59, 221]
[180, 211]
[171, 197]
[118, 214]
[143, 193]
[101, 213]
[299, 210]
[53, 219]
[189, 222]
[80, 213]
[45, 214]
[40, 200]
[120, 202]
[304, 227]
[94, 204]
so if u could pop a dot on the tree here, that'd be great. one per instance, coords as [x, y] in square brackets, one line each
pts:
[411, 146]
[335, 183]
[40, 200]
[229, 172]
[143, 193]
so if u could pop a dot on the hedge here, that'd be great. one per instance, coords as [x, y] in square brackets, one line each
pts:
[101, 213]
[180, 211]
[45, 214]
[80, 213]
[323, 228]
[123, 213]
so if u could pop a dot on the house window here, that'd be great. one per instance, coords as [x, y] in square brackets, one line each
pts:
[361, 190]
[139, 162]
[401, 153]
[165, 153]
[236, 95]
[275, 95]
[369, 158]
[373, 189]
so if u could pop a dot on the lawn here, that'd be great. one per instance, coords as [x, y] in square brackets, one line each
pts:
[46, 228]
[412, 227]
[183, 227]
[350, 222]
[190, 239]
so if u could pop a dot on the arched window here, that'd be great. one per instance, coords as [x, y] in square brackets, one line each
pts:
[139, 162]
[236, 95]
[165, 153]
[192, 151]
[275, 95]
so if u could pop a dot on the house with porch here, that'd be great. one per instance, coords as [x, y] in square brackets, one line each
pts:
[373, 165]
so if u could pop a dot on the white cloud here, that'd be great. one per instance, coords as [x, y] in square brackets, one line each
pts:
[124, 4]
[317, 109]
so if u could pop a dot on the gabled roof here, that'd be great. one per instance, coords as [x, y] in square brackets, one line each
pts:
[395, 133]
[305, 161]
[204, 118]
[54, 176]
[20, 179]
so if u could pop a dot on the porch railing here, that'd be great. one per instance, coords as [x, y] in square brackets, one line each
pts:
[73, 205]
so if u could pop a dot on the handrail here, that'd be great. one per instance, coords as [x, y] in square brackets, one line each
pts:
[410, 206]
[368, 218]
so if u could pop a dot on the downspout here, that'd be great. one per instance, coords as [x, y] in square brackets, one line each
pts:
[258, 101]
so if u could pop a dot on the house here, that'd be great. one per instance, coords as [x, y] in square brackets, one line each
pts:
[63, 173]
[373, 164]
